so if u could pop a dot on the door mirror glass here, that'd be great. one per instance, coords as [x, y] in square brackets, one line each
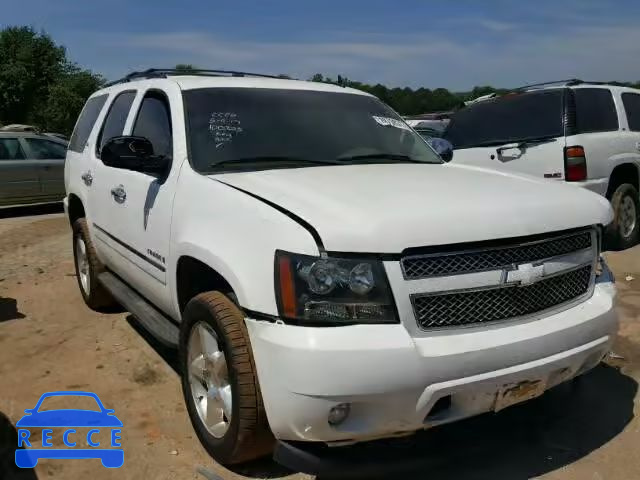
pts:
[443, 147]
[132, 153]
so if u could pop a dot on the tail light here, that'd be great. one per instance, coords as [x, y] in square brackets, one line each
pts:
[575, 164]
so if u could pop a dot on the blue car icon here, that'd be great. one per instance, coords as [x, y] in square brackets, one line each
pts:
[68, 419]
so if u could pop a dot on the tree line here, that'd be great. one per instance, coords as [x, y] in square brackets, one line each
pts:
[40, 86]
[407, 101]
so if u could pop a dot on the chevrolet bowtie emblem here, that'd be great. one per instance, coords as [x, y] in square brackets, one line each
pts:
[525, 274]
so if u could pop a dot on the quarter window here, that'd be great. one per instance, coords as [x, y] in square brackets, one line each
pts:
[631, 102]
[45, 149]
[595, 110]
[154, 123]
[10, 149]
[116, 118]
[85, 123]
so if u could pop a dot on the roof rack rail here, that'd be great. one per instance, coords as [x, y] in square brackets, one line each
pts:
[568, 82]
[564, 83]
[167, 72]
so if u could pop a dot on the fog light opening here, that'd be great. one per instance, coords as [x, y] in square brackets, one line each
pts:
[339, 414]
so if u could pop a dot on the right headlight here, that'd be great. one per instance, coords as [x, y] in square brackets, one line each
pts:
[332, 291]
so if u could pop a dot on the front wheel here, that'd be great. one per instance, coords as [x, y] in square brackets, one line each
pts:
[219, 381]
[624, 231]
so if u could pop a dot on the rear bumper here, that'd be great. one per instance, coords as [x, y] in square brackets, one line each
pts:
[393, 380]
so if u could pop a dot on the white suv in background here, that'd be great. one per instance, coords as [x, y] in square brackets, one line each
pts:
[326, 278]
[584, 133]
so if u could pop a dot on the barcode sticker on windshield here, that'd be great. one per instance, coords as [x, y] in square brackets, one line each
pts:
[391, 122]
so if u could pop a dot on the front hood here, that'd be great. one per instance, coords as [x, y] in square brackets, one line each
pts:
[385, 208]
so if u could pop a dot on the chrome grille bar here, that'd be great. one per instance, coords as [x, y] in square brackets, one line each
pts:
[492, 258]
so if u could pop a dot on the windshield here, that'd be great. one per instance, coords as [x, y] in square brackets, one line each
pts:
[249, 129]
[507, 119]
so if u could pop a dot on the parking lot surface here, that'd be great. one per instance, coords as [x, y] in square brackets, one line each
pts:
[49, 340]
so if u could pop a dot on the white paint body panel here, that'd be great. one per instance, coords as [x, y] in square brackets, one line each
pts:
[392, 373]
[387, 208]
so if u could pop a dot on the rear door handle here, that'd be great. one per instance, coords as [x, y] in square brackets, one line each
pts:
[87, 178]
[118, 194]
[637, 145]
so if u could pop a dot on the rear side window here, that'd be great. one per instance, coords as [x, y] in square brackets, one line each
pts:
[595, 110]
[10, 149]
[85, 122]
[631, 102]
[510, 118]
[113, 125]
[154, 123]
[45, 149]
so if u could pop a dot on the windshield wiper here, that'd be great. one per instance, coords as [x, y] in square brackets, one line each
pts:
[273, 159]
[526, 143]
[514, 142]
[398, 157]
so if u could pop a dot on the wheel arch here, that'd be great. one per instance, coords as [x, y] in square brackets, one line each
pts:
[626, 172]
[75, 209]
[197, 272]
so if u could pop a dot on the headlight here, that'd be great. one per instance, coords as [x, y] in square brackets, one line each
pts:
[326, 291]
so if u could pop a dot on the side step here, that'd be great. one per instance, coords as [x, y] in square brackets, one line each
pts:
[150, 317]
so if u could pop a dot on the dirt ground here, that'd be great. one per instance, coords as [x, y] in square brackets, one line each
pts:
[50, 341]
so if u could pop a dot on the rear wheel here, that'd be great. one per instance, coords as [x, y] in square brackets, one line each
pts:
[88, 267]
[624, 231]
[219, 381]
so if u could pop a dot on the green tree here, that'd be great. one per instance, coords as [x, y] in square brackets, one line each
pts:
[66, 99]
[30, 63]
[38, 84]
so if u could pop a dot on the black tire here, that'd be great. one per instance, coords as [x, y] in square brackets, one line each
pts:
[96, 296]
[248, 436]
[618, 238]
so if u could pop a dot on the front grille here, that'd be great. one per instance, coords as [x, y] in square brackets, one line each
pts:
[492, 258]
[458, 308]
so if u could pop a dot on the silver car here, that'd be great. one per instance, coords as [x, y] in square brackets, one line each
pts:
[31, 168]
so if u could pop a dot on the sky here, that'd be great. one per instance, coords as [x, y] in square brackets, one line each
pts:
[431, 43]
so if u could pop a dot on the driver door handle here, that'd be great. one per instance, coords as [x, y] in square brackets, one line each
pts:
[87, 178]
[118, 194]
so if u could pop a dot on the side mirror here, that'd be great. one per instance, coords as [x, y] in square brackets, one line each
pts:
[132, 153]
[443, 147]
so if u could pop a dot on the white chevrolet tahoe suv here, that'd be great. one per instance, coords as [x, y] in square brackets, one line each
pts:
[587, 134]
[327, 279]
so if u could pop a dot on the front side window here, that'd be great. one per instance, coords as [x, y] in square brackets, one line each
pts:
[113, 125]
[511, 118]
[45, 149]
[631, 102]
[154, 123]
[249, 129]
[595, 110]
[10, 149]
[85, 122]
